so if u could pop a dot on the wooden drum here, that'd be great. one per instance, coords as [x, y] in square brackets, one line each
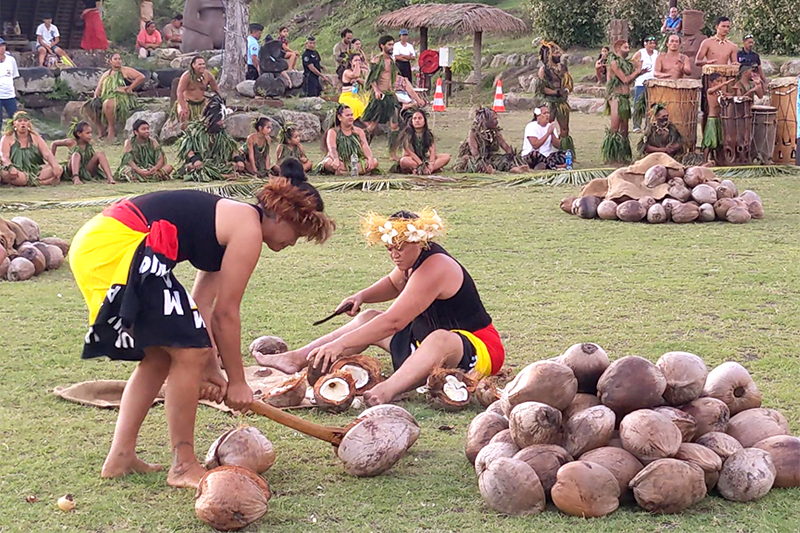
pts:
[737, 128]
[682, 99]
[726, 73]
[783, 96]
[765, 125]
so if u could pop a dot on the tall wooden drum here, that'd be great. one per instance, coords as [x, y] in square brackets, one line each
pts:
[726, 72]
[783, 96]
[764, 128]
[737, 127]
[682, 99]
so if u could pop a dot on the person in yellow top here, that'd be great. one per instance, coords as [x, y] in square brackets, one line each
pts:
[354, 79]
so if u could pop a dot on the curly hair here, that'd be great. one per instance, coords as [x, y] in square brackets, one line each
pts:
[299, 203]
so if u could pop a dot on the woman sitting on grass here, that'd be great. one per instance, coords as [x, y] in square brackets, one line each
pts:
[480, 151]
[290, 147]
[348, 149]
[25, 158]
[144, 159]
[84, 163]
[257, 149]
[419, 151]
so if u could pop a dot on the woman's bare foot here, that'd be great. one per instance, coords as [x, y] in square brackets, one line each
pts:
[111, 181]
[287, 362]
[76, 180]
[185, 475]
[123, 464]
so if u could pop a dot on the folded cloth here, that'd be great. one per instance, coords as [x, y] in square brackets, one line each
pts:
[11, 236]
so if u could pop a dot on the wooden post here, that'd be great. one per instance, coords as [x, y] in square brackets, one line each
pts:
[234, 59]
[673, 3]
[476, 59]
[617, 30]
[423, 39]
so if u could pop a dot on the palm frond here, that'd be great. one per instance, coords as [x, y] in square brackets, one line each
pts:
[756, 171]
[556, 177]
[232, 189]
[64, 204]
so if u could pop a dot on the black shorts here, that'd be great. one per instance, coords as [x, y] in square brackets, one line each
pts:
[404, 68]
[252, 73]
[403, 344]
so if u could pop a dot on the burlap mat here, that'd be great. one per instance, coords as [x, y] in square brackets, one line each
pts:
[628, 182]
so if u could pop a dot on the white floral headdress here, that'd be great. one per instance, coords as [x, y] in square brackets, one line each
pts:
[379, 229]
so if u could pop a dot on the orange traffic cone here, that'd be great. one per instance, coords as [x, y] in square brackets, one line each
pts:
[499, 100]
[438, 97]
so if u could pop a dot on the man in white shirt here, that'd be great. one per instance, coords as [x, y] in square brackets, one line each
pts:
[403, 54]
[540, 142]
[8, 71]
[646, 57]
[47, 38]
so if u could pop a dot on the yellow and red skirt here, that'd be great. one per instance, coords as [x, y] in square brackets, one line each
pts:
[124, 268]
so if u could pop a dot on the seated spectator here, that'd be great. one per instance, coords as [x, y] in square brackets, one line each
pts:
[660, 135]
[85, 163]
[173, 32]
[290, 55]
[600, 66]
[47, 39]
[539, 147]
[148, 40]
[419, 150]
[673, 23]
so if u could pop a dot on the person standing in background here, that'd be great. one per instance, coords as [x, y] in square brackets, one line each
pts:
[403, 54]
[312, 68]
[173, 32]
[8, 72]
[253, 51]
[145, 13]
[646, 58]
[749, 57]
[94, 34]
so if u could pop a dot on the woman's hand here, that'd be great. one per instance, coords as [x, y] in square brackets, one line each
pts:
[239, 396]
[324, 356]
[356, 301]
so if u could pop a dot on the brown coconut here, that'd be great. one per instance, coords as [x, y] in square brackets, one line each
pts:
[374, 445]
[711, 415]
[631, 383]
[503, 436]
[390, 410]
[545, 459]
[722, 206]
[669, 486]
[756, 210]
[683, 213]
[657, 214]
[747, 475]
[5, 264]
[579, 403]
[566, 204]
[587, 361]
[60, 243]
[607, 210]
[704, 194]
[29, 228]
[35, 256]
[622, 464]
[754, 425]
[244, 446]
[585, 489]
[785, 454]
[655, 176]
[720, 443]
[268, 345]
[366, 371]
[649, 435]
[685, 422]
[680, 192]
[707, 213]
[535, 423]
[705, 458]
[714, 184]
[56, 257]
[694, 176]
[487, 391]
[587, 206]
[647, 202]
[492, 451]
[738, 215]
[42, 247]
[543, 381]
[496, 407]
[731, 383]
[231, 497]
[20, 269]
[677, 180]
[589, 429]
[750, 196]
[288, 393]
[481, 430]
[668, 204]
[575, 204]
[335, 392]
[511, 487]
[450, 389]
[685, 374]
[631, 211]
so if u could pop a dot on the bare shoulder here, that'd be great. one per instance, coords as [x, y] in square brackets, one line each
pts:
[129, 72]
[235, 217]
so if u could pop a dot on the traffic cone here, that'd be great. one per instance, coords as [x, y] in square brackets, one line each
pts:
[499, 100]
[438, 97]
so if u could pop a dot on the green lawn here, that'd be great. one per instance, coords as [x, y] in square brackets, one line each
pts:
[722, 291]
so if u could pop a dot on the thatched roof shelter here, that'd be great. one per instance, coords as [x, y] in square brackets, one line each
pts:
[462, 18]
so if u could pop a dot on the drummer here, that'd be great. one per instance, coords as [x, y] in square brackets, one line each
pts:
[672, 65]
[749, 83]
[748, 56]
[718, 49]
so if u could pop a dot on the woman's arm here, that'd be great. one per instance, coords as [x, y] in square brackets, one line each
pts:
[251, 151]
[99, 87]
[5, 150]
[135, 77]
[408, 152]
[330, 141]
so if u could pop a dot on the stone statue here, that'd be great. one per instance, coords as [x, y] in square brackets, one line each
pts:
[204, 25]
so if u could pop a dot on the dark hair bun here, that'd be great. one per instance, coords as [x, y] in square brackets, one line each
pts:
[292, 170]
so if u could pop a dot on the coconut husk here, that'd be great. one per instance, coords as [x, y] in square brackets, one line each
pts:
[511, 487]
[589, 429]
[669, 486]
[29, 227]
[503, 436]
[720, 443]
[288, 393]
[685, 374]
[335, 392]
[694, 176]
[566, 204]
[657, 214]
[4, 266]
[492, 451]
[106, 393]
[703, 457]
[684, 213]
[450, 389]
[631, 211]
[543, 381]
[366, 371]
[487, 391]
[56, 257]
[685, 422]
[231, 497]
[587, 361]
[709, 413]
[243, 446]
[647, 202]
[649, 435]
[35, 256]
[60, 243]
[42, 247]
[756, 210]
[722, 206]
[586, 490]
[747, 475]
[754, 425]
[545, 459]
[707, 213]
[641, 166]
[785, 454]
[20, 269]
[738, 215]
[587, 206]
[374, 445]
[731, 383]
[268, 345]
[535, 423]
[622, 464]
[607, 210]
[655, 176]
[750, 196]
[496, 407]
[579, 403]
[480, 431]
[387, 409]
[704, 194]
[631, 383]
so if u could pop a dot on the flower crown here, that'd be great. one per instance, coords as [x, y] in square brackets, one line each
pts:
[379, 229]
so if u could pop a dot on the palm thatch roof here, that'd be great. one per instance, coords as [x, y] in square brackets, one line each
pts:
[463, 18]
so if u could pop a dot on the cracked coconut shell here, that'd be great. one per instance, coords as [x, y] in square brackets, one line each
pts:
[587, 361]
[585, 489]
[579, 403]
[450, 389]
[685, 374]
[747, 475]
[631, 383]
[543, 381]
[709, 413]
[244, 446]
[720, 443]
[731, 383]
[589, 429]
[335, 392]
[685, 422]
[373, 446]
[622, 464]
[785, 454]
[649, 435]
[488, 389]
[480, 431]
[545, 459]
[288, 393]
[511, 487]
[669, 486]
[754, 425]
[703, 457]
[366, 371]
[492, 451]
[229, 498]
[535, 423]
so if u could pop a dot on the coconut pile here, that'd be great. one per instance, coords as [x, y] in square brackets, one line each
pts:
[694, 195]
[590, 434]
[34, 255]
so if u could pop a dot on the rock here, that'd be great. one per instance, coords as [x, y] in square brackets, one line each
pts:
[81, 80]
[498, 61]
[296, 77]
[532, 60]
[311, 103]
[72, 110]
[247, 88]
[586, 105]
[214, 61]
[588, 60]
[516, 102]
[156, 119]
[566, 58]
[164, 77]
[167, 54]
[589, 78]
[182, 61]
[269, 84]
[35, 80]
[768, 67]
[307, 125]
[527, 82]
[36, 101]
[791, 68]
[240, 125]
[512, 60]
[575, 59]
[595, 91]
[170, 131]
[485, 61]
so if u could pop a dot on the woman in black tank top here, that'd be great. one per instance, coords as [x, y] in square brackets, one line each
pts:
[437, 318]
[123, 261]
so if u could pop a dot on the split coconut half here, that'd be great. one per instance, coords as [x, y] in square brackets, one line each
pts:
[450, 389]
[288, 393]
[366, 371]
[335, 392]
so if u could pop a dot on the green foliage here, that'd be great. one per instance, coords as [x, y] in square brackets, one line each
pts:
[644, 18]
[462, 62]
[567, 22]
[774, 23]
[61, 92]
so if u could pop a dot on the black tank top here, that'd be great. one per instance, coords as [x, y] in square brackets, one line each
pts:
[464, 310]
[194, 214]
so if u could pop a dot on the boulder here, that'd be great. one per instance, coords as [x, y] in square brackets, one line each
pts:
[81, 80]
[791, 68]
[214, 61]
[72, 110]
[35, 80]
[167, 54]
[587, 105]
[498, 61]
[164, 77]
[532, 60]
[36, 101]
[170, 131]
[588, 60]
[575, 59]
[595, 91]
[307, 125]
[156, 119]
[269, 84]
[517, 102]
[768, 67]
[182, 61]
[240, 125]
[247, 88]
[485, 61]
[512, 60]
[311, 103]
[296, 77]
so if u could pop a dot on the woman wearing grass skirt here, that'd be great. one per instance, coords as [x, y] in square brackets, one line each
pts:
[144, 159]
[113, 98]
[419, 150]
[84, 164]
[208, 151]
[480, 152]
[348, 149]
[290, 147]
[123, 261]
[25, 158]
[256, 149]
[616, 147]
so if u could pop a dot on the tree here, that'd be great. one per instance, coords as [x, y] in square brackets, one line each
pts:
[567, 22]
[234, 59]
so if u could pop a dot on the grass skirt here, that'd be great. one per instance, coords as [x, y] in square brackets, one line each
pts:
[381, 111]
[712, 135]
[616, 148]
[624, 105]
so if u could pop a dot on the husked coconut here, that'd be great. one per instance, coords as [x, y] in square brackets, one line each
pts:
[511, 487]
[366, 371]
[655, 176]
[589, 429]
[503, 436]
[707, 213]
[229, 498]
[731, 383]
[631, 211]
[738, 215]
[686, 423]
[29, 228]
[56, 257]
[587, 206]
[709, 413]
[750, 196]
[60, 243]
[244, 446]
[587, 361]
[657, 214]
[685, 374]
[5, 264]
[487, 391]
[543, 381]
[703, 457]
[497, 407]
[720, 443]
[374, 445]
[450, 389]
[566, 204]
[545, 459]
[669, 486]
[535, 423]
[704, 194]
[387, 409]
[288, 393]
[481, 430]
[20, 269]
[746, 475]
[579, 403]
[649, 435]
[680, 192]
[607, 210]
[785, 454]
[677, 180]
[622, 464]
[335, 392]
[714, 184]
[585, 489]
[754, 425]
[756, 210]
[42, 247]
[694, 176]
[781, 420]
[492, 451]
[730, 186]
[647, 202]
[631, 383]
[35, 256]
[683, 213]
[268, 345]
[722, 206]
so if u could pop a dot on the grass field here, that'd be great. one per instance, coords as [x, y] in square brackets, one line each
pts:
[722, 291]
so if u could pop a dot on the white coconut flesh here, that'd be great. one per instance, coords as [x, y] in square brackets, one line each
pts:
[360, 375]
[335, 390]
[455, 390]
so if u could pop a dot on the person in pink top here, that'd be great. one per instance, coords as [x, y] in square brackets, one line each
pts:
[148, 40]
